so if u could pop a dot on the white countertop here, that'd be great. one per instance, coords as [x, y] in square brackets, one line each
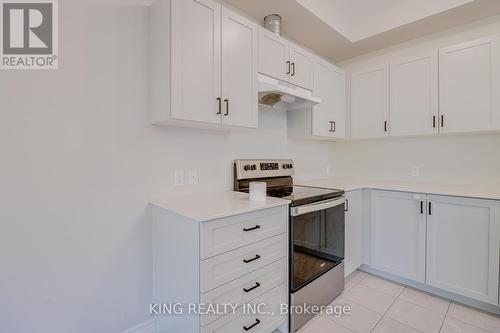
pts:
[214, 205]
[347, 185]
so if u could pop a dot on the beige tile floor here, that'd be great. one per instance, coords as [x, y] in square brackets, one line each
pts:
[381, 306]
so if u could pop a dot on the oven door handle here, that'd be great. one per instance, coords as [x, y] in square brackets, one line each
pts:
[321, 205]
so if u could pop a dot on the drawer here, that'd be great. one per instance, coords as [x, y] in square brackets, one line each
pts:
[227, 234]
[263, 323]
[246, 288]
[232, 265]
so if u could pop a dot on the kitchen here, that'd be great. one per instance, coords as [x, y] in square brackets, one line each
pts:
[127, 121]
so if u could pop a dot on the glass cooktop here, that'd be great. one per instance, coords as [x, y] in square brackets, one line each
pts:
[302, 195]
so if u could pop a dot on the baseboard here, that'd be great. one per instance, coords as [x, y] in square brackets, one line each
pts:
[146, 327]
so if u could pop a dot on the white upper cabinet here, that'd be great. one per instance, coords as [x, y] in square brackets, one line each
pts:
[414, 95]
[463, 247]
[326, 120]
[469, 86]
[329, 117]
[370, 102]
[284, 60]
[211, 77]
[301, 67]
[196, 60]
[397, 228]
[274, 55]
[239, 70]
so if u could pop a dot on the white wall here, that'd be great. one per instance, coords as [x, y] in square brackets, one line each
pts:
[78, 165]
[465, 159]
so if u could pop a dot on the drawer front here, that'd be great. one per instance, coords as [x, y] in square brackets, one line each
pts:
[246, 288]
[232, 265]
[227, 234]
[270, 302]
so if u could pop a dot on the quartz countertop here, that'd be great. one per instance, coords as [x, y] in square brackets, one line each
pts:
[347, 185]
[208, 206]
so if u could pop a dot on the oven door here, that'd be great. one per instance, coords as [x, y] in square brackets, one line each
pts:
[317, 234]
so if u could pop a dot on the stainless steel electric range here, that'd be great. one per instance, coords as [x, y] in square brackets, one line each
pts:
[317, 230]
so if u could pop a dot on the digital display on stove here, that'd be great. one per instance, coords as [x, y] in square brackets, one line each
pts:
[269, 166]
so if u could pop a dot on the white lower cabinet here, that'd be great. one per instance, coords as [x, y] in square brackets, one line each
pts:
[261, 315]
[445, 242]
[463, 237]
[353, 231]
[240, 260]
[397, 234]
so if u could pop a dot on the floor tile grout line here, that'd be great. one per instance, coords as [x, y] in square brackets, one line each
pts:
[383, 292]
[444, 319]
[390, 306]
[467, 323]
[420, 305]
[350, 329]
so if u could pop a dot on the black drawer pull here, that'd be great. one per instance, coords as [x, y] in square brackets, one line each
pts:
[250, 260]
[257, 322]
[252, 229]
[257, 285]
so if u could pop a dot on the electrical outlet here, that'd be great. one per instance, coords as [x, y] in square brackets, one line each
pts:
[193, 177]
[415, 171]
[179, 178]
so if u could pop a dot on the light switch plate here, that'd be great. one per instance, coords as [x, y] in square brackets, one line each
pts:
[415, 171]
[179, 178]
[193, 177]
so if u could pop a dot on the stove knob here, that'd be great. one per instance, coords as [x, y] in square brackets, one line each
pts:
[285, 166]
[290, 166]
[254, 167]
[247, 167]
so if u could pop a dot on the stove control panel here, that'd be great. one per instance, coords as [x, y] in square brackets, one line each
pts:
[247, 169]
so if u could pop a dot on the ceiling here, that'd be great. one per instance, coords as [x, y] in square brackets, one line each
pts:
[343, 29]
[360, 19]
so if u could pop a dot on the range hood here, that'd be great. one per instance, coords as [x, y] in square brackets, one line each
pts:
[284, 96]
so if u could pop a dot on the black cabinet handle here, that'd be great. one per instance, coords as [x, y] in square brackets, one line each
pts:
[334, 126]
[421, 207]
[257, 322]
[288, 67]
[434, 121]
[247, 261]
[385, 126]
[293, 68]
[346, 205]
[442, 120]
[220, 105]
[430, 208]
[257, 285]
[227, 107]
[251, 229]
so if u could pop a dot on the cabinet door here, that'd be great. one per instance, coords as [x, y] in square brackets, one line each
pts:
[196, 59]
[239, 70]
[468, 86]
[414, 95]
[301, 67]
[273, 55]
[353, 231]
[398, 227]
[463, 237]
[329, 117]
[370, 102]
